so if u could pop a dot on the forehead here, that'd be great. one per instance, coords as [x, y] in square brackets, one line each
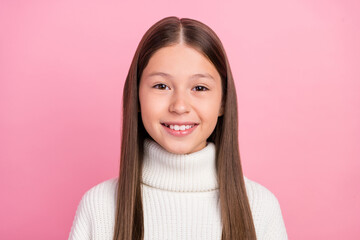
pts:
[180, 60]
[169, 76]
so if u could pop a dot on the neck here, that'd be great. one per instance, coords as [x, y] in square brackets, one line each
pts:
[194, 172]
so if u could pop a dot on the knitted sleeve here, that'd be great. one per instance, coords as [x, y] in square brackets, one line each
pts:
[81, 227]
[276, 228]
[266, 211]
[95, 215]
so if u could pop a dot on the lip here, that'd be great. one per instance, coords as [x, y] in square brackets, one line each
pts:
[180, 123]
[180, 133]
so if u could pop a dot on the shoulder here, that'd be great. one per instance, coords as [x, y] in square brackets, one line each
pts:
[94, 215]
[265, 210]
[103, 190]
[101, 195]
[100, 200]
[257, 193]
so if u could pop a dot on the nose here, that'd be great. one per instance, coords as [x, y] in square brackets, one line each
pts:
[179, 103]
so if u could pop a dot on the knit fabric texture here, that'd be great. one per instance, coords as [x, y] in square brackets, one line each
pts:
[180, 196]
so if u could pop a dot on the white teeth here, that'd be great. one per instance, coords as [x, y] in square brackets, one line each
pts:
[182, 127]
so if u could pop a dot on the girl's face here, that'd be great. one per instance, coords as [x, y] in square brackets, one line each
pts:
[180, 88]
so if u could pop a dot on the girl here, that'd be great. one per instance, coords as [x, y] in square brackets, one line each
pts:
[180, 172]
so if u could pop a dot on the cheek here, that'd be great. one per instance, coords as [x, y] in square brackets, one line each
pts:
[210, 108]
[151, 107]
[148, 117]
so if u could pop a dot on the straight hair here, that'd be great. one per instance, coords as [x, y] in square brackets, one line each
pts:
[236, 216]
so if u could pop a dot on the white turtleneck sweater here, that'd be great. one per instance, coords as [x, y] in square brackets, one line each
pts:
[180, 201]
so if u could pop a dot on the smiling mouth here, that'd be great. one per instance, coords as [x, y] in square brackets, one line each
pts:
[179, 127]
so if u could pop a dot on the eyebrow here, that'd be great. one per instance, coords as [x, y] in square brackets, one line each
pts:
[166, 75]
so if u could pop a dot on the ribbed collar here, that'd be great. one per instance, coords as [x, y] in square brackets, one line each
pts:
[194, 172]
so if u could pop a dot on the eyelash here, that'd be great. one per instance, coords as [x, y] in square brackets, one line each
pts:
[206, 89]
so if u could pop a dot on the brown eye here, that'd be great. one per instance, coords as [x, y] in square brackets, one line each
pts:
[160, 86]
[201, 88]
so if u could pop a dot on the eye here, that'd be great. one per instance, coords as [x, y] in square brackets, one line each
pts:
[160, 86]
[201, 88]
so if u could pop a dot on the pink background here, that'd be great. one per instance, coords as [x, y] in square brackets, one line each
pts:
[296, 66]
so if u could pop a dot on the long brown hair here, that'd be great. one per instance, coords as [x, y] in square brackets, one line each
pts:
[235, 209]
